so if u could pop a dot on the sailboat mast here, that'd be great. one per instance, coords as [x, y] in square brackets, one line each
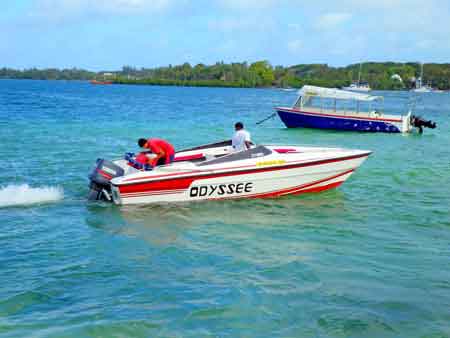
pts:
[419, 81]
[421, 74]
[359, 73]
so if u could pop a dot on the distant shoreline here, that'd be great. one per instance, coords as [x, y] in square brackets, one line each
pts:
[188, 85]
[177, 83]
[153, 84]
[261, 74]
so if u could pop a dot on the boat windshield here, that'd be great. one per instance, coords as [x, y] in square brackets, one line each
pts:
[258, 151]
[208, 146]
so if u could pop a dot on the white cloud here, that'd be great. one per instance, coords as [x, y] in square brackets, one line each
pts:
[295, 27]
[426, 44]
[62, 10]
[227, 47]
[401, 16]
[240, 24]
[121, 6]
[384, 4]
[247, 4]
[354, 47]
[332, 20]
[226, 24]
[295, 46]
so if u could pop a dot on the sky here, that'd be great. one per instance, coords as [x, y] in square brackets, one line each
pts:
[108, 34]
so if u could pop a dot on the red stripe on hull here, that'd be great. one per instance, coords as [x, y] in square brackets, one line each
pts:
[184, 183]
[295, 191]
[171, 184]
[148, 193]
[318, 189]
[285, 150]
[298, 192]
[300, 188]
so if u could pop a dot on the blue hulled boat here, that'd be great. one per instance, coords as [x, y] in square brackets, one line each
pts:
[329, 108]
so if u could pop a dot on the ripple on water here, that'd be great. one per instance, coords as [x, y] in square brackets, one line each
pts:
[366, 260]
[22, 302]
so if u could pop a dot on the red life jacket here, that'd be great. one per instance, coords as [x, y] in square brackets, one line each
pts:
[141, 158]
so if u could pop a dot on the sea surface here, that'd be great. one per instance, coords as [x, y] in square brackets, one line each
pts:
[369, 259]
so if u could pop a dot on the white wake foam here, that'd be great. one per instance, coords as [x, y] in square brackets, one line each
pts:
[23, 194]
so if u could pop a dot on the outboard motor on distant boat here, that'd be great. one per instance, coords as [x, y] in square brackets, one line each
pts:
[419, 122]
[100, 178]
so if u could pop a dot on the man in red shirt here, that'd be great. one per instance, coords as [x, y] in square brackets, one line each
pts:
[163, 150]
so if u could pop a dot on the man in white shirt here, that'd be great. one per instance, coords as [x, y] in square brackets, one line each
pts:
[241, 138]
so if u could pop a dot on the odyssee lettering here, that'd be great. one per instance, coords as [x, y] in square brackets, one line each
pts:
[220, 189]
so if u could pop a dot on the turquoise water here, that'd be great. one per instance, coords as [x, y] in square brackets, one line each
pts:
[370, 259]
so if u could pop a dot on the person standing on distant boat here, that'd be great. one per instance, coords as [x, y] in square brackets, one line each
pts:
[163, 150]
[241, 138]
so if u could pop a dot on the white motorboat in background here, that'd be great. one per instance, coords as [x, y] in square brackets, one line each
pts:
[214, 172]
[359, 86]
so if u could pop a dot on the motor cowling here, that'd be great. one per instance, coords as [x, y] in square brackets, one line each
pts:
[100, 178]
[420, 123]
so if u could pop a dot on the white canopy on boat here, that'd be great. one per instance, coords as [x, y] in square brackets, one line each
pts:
[334, 93]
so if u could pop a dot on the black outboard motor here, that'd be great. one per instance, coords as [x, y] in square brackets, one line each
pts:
[104, 171]
[419, 123]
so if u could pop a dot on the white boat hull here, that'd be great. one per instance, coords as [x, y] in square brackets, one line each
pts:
[273, 176]
[422, 90]
[358, 89]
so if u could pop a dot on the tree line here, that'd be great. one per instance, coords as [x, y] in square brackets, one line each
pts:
[260, 74]
[47, 74]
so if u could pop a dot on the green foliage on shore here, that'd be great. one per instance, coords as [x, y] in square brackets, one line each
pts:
[47, 74]
[259, 74]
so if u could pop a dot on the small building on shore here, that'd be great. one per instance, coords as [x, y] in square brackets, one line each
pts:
[397, 77]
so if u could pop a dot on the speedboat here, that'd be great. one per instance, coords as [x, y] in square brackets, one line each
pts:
[330, 108]
[214, 172]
